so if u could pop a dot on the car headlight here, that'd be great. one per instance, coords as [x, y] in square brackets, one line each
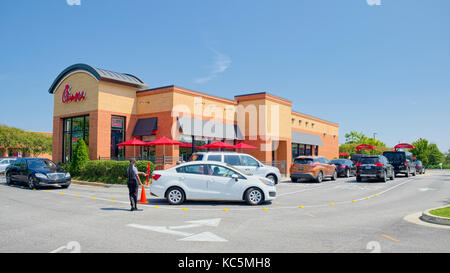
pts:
[267, 182]
[41, 175]
[67, 175]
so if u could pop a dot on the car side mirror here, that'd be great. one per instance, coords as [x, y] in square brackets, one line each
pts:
[235, 177]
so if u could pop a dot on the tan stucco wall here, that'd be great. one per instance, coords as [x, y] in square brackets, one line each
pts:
[79, 81]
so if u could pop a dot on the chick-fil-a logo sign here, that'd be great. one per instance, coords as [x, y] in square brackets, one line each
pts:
[68, 97]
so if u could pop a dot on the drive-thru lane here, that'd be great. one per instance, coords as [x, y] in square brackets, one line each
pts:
[335, 216]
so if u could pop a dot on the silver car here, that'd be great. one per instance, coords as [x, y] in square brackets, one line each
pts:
[244, 162]
[5, 162]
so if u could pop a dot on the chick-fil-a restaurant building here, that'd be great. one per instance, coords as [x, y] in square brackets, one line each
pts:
[106, 108]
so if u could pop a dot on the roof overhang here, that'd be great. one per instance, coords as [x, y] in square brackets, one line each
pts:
[99, 74]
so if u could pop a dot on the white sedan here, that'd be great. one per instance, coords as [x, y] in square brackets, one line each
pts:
[209, 180]
[5, 162]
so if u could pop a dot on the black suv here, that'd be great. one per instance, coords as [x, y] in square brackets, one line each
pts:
[37, 172]
[403, 162]
[374, 166]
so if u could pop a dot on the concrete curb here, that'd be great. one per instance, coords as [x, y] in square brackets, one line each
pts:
[428, 217]
[94, 184]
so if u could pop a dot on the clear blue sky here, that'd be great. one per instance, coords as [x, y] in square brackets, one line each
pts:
[382, 68]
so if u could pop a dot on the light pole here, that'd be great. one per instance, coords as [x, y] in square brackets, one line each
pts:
[374, 134]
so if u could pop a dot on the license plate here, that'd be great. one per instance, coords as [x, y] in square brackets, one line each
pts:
[367, 167]
[300, 169]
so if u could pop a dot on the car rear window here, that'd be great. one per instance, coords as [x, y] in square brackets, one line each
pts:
[395, 156]
[303, 161]
[369, 160]
[215, 158]
[233, 160]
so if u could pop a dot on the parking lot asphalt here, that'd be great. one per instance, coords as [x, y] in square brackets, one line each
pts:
[334, 216]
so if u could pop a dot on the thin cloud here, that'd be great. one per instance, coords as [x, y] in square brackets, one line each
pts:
[221, 63]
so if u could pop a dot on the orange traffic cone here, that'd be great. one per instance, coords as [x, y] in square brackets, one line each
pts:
[143, 197]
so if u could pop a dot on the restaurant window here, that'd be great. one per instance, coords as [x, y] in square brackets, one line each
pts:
[117, 136]
[308, 150]
[295, 151]
[74, 128]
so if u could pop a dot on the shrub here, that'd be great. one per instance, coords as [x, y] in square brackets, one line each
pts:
[112, 172]
[80, 157]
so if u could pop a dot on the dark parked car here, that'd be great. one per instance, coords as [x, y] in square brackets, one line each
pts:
[374, 166]
[420, 168]
[345, 167]
[403, 162]
[36, 172]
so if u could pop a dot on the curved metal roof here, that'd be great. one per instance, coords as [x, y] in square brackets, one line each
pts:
[99, 74]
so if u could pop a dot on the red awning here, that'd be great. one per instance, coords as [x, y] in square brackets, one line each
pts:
[365, 147]
[403, 146]
[344, 154]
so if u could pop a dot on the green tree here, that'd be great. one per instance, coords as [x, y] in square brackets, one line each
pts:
[435, 156]
[353, 139]
[447, 158]
[29, 142]
[421, 151]
[80, 157]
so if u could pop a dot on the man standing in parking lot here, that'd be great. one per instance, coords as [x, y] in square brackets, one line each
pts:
[133, 180]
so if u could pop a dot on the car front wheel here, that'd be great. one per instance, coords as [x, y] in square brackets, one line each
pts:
[8, 179]
[272, 178]
[254, 196]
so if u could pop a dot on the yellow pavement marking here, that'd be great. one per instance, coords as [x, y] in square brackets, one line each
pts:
[185, 209]
[331, 204]
[265, 208]
[156, 207]
[93, 198]
[225, 209]
[390, 238]
[76, 195]
[301, 207]
[47, 191]
[367, 197]
[354, 201]
[61, 193]
[112, 201]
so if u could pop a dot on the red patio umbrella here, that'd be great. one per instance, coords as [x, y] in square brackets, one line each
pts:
[243, 146]
[217, 145]
[185, 145]
[134, 142]
[344, 154]
[164, 141]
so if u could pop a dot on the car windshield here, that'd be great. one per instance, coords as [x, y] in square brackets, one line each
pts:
[4, 161]
[40, 163]
[368, 160]
[303, 161]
